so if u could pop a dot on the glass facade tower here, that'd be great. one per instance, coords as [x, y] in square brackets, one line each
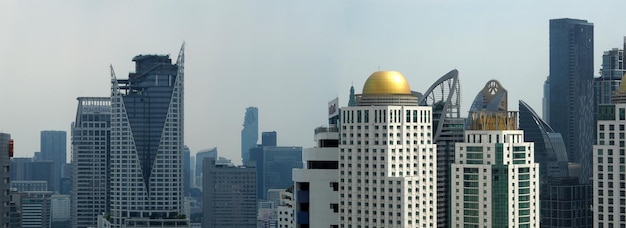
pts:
[571, 88]
[147, 132]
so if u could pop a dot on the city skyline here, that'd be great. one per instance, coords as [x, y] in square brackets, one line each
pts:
[255, 53]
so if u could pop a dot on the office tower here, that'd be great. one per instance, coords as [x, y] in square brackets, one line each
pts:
[90, 137]
[6, 152]
[566, 203]
[19, 168]
[571, 88]
[249, 133]
[26, 169]
[444, 96]
[60, 211]
[610, 76]
[352, 97]
[549, 149]
[200, 156]
[35, 209]
[192, 171]
[66, 179]
[494, 177]
[268, 138]
[317, 183]
[229, 196]
[15, 210]
[387, 161]
[53, 148]
[608, 163]
[187, 170]
[274, 166]
[147, 132]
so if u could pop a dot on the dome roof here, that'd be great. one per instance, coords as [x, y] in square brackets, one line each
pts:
[386, 82]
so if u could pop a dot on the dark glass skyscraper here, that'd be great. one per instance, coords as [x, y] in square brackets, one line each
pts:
[147, 142]
[571, 88]
[54, 148]
[249, 133]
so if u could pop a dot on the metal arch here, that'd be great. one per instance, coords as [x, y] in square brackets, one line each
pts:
[448, 90]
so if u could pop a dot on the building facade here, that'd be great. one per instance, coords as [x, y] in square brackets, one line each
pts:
[229, 196]
[6, 152]
[147, 142]
[494, 176]
[571, 88]
[317, 183]
[90, 158]
[387, 161]
[249, 133]
[54, 148]
[609, 197]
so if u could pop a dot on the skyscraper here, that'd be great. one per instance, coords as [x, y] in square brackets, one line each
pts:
[229, 196]
[90, 159]
[609, 192]
[274, 166]
[571, 88]
[444, 96]
[387, 161]
[494, 176]
[54, 148]
[6, 152]
[147, 132]
[249, 133]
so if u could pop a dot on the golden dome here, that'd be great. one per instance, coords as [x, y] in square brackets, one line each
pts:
[386, 82]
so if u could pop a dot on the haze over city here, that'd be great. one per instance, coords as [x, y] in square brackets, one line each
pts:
[286, 58]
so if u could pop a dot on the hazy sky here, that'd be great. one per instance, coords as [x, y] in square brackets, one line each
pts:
[288, 58]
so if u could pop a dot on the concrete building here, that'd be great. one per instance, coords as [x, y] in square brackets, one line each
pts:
[316, 193]
[387, 160]
[6, 152]
[29, 186]
[444, 96]
[571, 88]
[90, 158]
[495, 180]
[35, 209]
[146, 144]
[609, 197]
[249, 133]
[229, 196]
[60, 211]
[286, 209]
[54, 148]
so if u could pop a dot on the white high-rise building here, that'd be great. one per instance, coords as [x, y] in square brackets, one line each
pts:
[90, 152]
[609, 156]
[494, 180]
[387, 161]
[147, 132]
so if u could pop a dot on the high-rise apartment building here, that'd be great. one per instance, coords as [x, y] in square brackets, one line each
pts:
[90, 159]
[444, 96]
[387, 160]
[249, 133]
[6, 152]
[610, 75]
[54, 148]
[609, 191]
[146, 144]
[494, 177]
[571, 88]
[317, 183]
[229, 196]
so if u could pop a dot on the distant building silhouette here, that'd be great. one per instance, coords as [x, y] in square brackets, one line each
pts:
[269, 138]
[200, 156]
[54, 148]
[249, 133]
[571, 88]
[274, 166]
